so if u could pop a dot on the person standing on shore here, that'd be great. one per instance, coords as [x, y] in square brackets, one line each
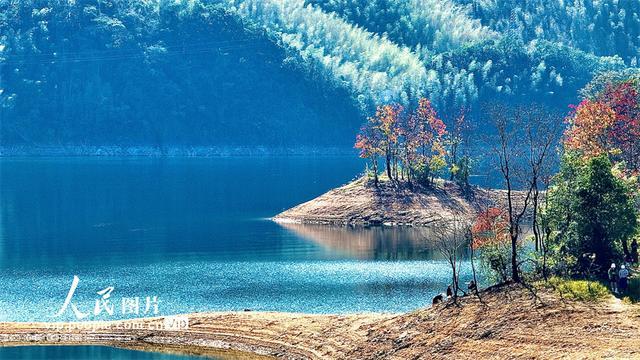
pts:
[623, 275]
[613, 278]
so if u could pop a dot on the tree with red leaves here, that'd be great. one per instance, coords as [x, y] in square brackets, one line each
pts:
[490, 235]
[624, 134]
[609, 124]
[387, 120]
[369, 143]
[590, 123]
[410, 145]
[491, 226]
[429, 134]
[381, 136]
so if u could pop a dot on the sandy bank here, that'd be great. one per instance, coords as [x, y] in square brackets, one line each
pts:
[510, 324]
[242, 335]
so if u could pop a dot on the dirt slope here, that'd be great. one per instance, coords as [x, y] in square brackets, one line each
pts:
[509, 324]
[390, 203]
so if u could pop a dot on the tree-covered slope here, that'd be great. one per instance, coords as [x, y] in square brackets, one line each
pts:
[468, 60]
[159, 74]
[603, 27]
[285, 73]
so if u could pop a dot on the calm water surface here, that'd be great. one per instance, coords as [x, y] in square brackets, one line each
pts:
[195, 234]
[84, 353]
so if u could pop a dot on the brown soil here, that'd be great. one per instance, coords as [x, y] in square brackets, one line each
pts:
[508, 323]
[362, 203]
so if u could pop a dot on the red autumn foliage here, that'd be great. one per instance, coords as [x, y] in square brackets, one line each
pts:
[590, 123]
[490, 228]
[407, 141]
[366, 143]
[609, 124]
[624, 134]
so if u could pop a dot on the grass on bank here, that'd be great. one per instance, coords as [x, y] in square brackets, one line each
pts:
[591, 291]
[580, 290]
[633, 293]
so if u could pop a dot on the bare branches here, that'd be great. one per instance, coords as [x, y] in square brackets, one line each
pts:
[451, 236]
[525, 138]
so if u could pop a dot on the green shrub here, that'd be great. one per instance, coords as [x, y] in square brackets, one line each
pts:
[581, 290]
[633, 292]
[495, 262]
[422, 174]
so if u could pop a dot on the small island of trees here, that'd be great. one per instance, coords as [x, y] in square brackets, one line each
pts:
[415, 146]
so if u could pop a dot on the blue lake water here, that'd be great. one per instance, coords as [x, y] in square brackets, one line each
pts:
[84, 353]
[195, 234]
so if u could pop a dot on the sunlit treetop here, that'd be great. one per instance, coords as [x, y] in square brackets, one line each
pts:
[609, 123]
[491, 227]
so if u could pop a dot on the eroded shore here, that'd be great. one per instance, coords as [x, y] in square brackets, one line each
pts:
[229, 335]
[508, 323]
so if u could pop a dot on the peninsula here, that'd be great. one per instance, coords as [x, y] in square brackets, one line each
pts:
[392, 203]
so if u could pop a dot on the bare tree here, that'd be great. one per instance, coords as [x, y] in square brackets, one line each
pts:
[473, 267]
[544, 229]
[451, 236]
[542, 130]
[525, 138]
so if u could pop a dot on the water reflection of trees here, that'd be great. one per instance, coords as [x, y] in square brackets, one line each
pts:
[372, 243]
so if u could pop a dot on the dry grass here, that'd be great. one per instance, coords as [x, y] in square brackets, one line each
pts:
[508, 323]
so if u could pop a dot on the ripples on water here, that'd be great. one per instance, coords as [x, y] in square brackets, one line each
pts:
[194, 233]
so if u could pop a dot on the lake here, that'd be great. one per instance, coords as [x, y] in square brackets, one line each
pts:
[192, 234]
[83, 353]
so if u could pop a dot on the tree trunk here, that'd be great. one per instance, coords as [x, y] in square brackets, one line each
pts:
[515, 275]
[395, 166]
[473, 270]
[389, 166]
[625, 249]
[375, 170]
[544, 253]
[455, 282]
[536, 230]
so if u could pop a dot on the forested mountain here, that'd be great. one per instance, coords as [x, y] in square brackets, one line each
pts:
[285, 73]
[166, 75]
[468, 61]
[602, 27]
